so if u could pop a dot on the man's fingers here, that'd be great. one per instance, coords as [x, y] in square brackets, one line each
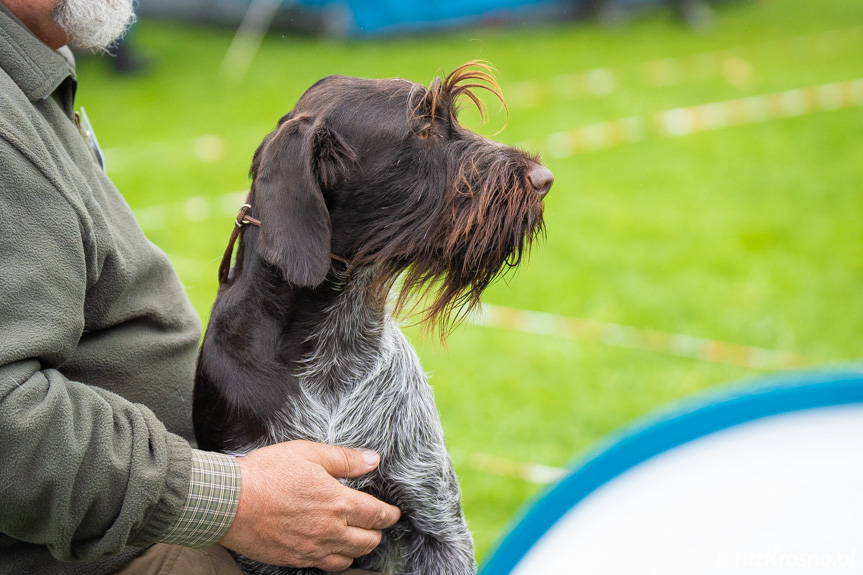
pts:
[366, 512]
[341, 461]
[361, 509]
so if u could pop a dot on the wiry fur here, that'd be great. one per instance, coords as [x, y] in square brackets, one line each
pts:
[300, 346]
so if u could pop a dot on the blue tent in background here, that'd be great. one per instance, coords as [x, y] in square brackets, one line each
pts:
[366, 18]
[362, 17]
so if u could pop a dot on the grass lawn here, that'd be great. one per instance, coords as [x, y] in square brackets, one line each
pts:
[748, 234]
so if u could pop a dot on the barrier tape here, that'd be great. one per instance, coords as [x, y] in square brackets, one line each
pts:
[629, 337]
[501, 466]
[702, 118]
[729, 64]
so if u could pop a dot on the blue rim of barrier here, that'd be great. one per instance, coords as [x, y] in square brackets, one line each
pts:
[697, 418]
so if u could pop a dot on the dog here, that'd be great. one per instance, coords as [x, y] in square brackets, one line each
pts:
[365, 182]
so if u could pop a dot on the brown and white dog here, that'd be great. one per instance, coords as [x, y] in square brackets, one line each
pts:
[364, 182]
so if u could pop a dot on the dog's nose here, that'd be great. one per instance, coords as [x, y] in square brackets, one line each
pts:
[541, 179]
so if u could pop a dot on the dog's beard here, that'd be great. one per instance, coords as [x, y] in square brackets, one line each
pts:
[489, 220]
[94, 24]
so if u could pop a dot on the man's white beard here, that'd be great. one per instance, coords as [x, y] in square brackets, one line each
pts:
[94, 24]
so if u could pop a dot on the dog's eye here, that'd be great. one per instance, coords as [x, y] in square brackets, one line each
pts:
[425, 133]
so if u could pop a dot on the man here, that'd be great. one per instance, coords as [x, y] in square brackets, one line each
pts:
[97, 351]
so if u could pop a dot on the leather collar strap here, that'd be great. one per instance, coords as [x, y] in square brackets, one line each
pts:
[243, 219]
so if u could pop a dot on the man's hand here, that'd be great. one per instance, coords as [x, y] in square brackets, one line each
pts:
[293, 512]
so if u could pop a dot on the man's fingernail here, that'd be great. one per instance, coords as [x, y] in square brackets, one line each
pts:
[372, 457]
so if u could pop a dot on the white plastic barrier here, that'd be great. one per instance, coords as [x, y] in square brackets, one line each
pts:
[767, 478]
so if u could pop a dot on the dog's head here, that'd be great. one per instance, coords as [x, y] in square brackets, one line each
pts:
[380, 172]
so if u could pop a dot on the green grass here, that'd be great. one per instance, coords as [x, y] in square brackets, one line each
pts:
[751, 235]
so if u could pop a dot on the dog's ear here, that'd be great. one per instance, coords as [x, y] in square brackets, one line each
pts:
[334, 159]
[295, 224]
[288, 170]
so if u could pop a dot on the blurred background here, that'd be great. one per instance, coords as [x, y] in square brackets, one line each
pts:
[705, 226]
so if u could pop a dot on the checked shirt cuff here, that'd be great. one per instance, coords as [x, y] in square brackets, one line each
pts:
[214, 494]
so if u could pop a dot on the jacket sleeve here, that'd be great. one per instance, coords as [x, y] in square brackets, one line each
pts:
[84, 471]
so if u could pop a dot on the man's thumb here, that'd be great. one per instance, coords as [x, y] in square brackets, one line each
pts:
[344, 462]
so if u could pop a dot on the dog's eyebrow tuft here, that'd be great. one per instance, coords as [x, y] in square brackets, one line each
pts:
[443, 93]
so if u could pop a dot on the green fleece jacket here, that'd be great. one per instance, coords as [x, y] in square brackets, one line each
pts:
[97, 341]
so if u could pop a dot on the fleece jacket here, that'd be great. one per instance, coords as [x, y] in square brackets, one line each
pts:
[97, 341]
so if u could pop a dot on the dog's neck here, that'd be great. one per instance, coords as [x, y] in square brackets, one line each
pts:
[346, 306]
[346, 340]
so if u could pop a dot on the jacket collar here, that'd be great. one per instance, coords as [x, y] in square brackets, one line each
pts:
[32, 65]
